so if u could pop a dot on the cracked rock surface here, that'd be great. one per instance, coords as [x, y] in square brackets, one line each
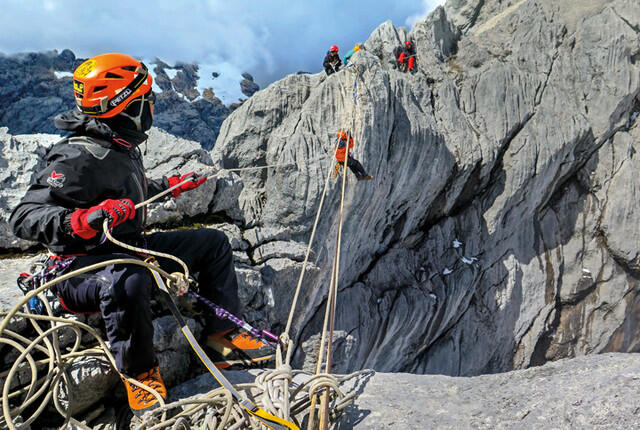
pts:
[515, 139]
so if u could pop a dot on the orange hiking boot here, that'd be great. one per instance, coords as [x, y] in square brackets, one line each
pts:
[141, 400]
[234, 347]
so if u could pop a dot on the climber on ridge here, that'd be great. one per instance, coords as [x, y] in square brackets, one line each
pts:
[353, 164]
[332, 60]
[355, 49]
[405, 56]
[96, 174]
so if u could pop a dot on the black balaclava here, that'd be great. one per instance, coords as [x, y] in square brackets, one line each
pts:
[132, 123]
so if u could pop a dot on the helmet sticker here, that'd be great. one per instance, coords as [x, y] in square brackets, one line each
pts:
[85, 68]
[78, 87]
[56, 180]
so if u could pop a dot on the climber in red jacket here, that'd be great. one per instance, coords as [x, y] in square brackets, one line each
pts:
[406, 56]
[353, 164]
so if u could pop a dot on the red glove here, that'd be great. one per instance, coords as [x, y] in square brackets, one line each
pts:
[87, 222]
[196, 181]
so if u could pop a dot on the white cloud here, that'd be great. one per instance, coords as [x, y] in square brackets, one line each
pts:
[427, 7]
[265, 38]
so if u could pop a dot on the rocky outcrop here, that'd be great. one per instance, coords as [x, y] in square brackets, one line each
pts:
[585, 392]
[499, 231]
[33, 91]
[249, 87]
[20, 158]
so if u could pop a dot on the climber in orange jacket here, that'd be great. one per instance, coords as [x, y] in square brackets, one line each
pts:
[353, 164]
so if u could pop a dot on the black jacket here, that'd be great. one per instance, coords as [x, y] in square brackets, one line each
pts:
[328, 59]
[83, 169]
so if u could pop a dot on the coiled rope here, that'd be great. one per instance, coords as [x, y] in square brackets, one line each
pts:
[221, 411]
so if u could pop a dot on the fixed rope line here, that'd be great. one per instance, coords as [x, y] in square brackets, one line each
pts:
[324, 418]
[286, 340]
[329, 318]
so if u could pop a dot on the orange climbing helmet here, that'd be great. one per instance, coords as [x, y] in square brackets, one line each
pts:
[105, 84]
[342, 135]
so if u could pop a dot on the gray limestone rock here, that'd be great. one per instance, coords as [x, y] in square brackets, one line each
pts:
[92, 379]
[20, 158]
[499, 231]
[594, 392]
[279, 249]
[521, 147]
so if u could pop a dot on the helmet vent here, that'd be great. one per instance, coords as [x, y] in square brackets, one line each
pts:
[112, 75]
[129, 68]
[96, 89]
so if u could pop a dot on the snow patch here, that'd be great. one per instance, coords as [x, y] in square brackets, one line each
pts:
[226, 86]
[60, 75]
[154, 86]
[171, 73]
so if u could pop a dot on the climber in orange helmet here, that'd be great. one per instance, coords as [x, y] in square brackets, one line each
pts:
[353, 164]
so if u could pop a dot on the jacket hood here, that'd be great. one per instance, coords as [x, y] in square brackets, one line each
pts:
[81, 124]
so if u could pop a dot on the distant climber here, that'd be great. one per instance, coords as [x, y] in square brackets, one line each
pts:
[405, 57]
[355, 49]
[352, 163]
[332, 60]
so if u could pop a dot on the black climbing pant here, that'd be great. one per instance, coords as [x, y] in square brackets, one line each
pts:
[121, 293]
[355, 167]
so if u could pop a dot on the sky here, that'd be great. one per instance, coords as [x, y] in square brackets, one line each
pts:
[267, 38]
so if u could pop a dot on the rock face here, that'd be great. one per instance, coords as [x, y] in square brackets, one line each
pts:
[32, 92]
[249, 87]
[500, 229]
[20, 158]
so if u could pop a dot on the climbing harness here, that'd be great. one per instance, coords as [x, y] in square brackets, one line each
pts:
[42, 272]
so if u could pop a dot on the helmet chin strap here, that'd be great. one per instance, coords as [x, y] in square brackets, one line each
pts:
[137, 120]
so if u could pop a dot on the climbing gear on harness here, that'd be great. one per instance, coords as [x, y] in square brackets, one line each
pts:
[267, 419]
[44, 271]
[336, 170]
[140, 399]
[105, 84]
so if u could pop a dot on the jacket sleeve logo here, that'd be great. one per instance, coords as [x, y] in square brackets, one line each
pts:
[56, 180]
